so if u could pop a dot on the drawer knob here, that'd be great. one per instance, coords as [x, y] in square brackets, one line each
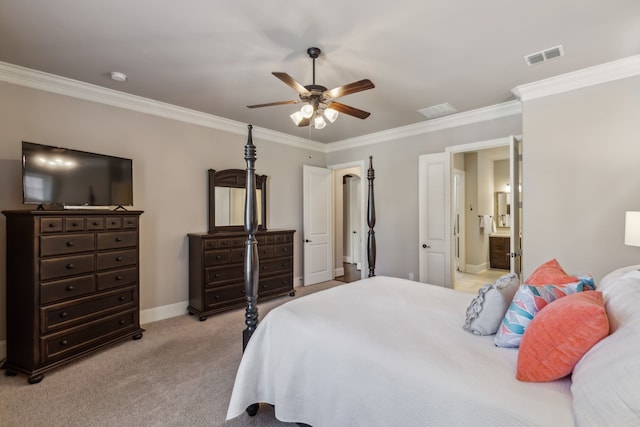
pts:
[217, 296]
[113, 223]
[64, 342]
[118, 258]
[216, 275]
[118, 277]
[95, 223]
[285, 249]
[122, 298]
[70, 266]
[70, 243]
[122, 321]
[51, 225]
[118, 239]
[74, 224]
[63, 314]
[218, 257]
[70, 287]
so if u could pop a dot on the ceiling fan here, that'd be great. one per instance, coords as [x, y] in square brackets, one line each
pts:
[319, 101]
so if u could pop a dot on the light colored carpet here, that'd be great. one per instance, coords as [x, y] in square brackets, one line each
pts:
[179, 374]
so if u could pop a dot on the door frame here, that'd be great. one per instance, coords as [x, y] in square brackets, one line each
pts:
[508, 141]
[362, 165]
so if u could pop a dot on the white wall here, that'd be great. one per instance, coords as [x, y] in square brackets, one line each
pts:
[581, 152]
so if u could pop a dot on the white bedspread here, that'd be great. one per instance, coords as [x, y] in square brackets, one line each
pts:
[388, 352]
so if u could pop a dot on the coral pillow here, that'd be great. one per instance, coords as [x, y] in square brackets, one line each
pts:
[560, 335]
[550, 273]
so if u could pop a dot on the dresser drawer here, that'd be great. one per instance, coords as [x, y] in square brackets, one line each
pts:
[114, 223]
[74, 224]
[117, 278]
[275, 285]
[284, 250]
[65, 289]
[95, 223]
[212, 258]
[266, 251]
[237, 255]
[276, 266]
[215, 276]
[118, 239]
[223, 295]
[50, 225]
[284, 238]
[66, 244]
[117, 259]
[130, 222]
[53, 268]
[68, 314]
[88, 335]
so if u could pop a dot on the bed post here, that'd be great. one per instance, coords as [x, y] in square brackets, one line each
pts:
[251, 262]
[371, 220]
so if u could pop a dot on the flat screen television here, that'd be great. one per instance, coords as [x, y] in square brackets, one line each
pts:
[62, 176]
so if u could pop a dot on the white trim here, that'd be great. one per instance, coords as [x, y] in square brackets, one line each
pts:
[607, 72]
[461, 119]
[34, 79]
[475, 268]
[163, 312]
[338, 272]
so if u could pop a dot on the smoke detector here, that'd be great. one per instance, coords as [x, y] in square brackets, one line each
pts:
[438, 110]
[118, 76]
[544, 55]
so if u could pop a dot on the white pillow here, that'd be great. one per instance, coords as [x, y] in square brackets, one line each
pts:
[486, 311]
[606, 381]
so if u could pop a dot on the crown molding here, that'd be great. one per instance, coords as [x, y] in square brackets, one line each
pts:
[34, 79]
[607, 72]
[455, 120]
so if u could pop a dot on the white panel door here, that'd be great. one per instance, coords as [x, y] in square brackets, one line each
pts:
[317, 224]
[434, 219]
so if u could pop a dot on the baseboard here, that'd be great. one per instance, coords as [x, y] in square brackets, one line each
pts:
[338, 272]
[163, 312]
[475, 269]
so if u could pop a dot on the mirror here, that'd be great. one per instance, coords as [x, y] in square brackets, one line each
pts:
[503, 209]
[227, 199]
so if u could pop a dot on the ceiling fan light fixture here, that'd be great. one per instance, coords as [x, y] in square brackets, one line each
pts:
[307, 111]
[319, 123]
[331, 114]
[297, 117]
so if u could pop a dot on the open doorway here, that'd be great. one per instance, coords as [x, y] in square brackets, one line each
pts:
[456, 225]
[349, 220]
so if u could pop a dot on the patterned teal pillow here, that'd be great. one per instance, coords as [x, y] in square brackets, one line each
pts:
[527, 302]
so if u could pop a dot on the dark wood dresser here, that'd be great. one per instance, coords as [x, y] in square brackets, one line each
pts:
[216, 269]
[72, 286]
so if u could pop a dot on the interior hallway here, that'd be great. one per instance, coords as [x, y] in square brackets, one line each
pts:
[467, 282]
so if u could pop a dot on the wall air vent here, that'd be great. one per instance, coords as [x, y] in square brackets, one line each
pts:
[544, 55]
[438, 110]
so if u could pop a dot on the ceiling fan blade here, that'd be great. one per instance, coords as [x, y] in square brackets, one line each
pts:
[341, 108]
[292, 83]
[270, 104]
[354, 87]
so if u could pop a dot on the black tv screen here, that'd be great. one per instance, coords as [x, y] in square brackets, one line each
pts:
[62, 176]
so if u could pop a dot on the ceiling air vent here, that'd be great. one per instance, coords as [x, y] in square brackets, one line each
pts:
[438, 110]
[544, 55]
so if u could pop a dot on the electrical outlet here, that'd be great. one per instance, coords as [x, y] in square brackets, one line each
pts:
[410, 276]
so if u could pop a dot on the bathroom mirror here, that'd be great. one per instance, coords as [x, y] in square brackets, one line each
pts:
[502, 209]
[227, 199]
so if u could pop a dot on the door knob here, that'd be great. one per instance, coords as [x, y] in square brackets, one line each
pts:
[425, 246]
[307, 241]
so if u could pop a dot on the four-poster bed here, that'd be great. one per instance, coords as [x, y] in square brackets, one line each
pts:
[385, 351]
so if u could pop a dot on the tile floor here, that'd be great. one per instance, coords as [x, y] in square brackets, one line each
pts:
[467, 282]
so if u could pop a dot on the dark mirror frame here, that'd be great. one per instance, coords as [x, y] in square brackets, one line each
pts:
[234, 178]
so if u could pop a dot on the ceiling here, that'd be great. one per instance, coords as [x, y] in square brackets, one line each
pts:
[216, 56]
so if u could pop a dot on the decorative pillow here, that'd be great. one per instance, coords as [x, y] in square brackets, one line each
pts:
[550, 273]
[559, 335]
[486, 311]
[527, 302]
[605, 381]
